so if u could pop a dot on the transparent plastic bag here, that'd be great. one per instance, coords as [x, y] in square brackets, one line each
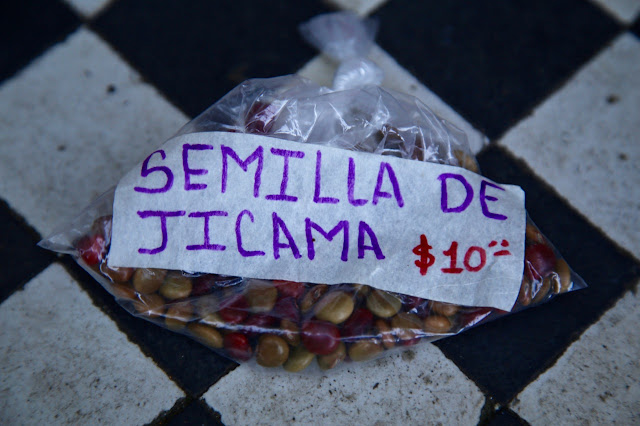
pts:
[291, 324]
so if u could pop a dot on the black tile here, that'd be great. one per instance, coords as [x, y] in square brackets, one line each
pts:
[502, 357]
[506, 417]
[635, 28]
[27, 28]
[196, 413]
[190, 364]
[20, 258]
[195, 51]
[492, 61]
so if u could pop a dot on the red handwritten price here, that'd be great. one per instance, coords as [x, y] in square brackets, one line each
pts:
[475, 258]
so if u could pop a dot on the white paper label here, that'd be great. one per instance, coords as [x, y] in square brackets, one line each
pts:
[259, 207]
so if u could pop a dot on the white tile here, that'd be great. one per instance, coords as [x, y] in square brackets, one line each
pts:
[88, 8]
[65, 362]
[321, 70]
[420, 386]
[65, 139]
[597, 381]
[624, 10]
[361, 7]
[584, 141]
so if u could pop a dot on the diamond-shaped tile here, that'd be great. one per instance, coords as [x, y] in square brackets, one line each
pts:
[64, 361]
[502, 357]
[73, 123]
[28, 28]
[493, 61]
[596, 380]
[197, 51]
[584, 141]
[416, 386]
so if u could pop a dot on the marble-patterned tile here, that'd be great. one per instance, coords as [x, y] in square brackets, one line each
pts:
[73, 123]
[66, 362]
[584, 141]
[417, 386]
[88, 8]
[596, 380]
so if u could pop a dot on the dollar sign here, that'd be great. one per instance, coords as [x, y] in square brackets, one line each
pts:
[426, 258]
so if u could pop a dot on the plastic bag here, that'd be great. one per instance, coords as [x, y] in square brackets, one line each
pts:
[291, 324]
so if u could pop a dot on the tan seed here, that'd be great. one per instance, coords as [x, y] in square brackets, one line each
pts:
[406, 326]
[147, 280]
[299, 359]
[290, 332]
[327, 362]
[335, 307]
[150, 305]
[207, 335]
[446, 309]
[272, 351]
[383, 304]
[176, 286]
[178, 315]
[116, 275]
[364, 350]
[261, 296]
[385, 333]
[437, 324]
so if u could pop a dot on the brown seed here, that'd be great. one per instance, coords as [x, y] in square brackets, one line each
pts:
[178, 315]
[147, 280]
[151, 305]
[176, 286]
[116, 275]
[313, 295]
[564, 275]
[298, 360]
[207, 335]
[437, 324]
[383, 304]
[327, 362]
[533, 234]
[260, 295]
[466, 161]
[335, 307]
[406, 326]
[364, 350]
[525, 291]
[540, 291]
[272, 351]
[446, 309]
[122, 291]
[290, 332]
[385, 333]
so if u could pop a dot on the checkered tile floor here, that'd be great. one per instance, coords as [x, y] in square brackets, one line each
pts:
[548, 92]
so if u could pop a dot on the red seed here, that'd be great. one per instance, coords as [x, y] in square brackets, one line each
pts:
[290, 288]
[320, 337]
[540, 259]
[234, 309]
[359, 323]
[258, 324]
[237, 346]
[287, 308]
[260, 117]
[92, 249]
